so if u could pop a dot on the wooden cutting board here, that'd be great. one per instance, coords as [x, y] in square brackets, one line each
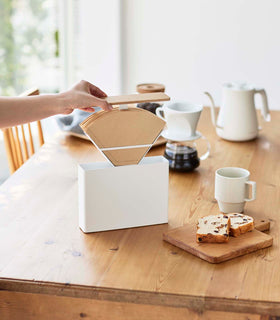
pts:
[185, 238]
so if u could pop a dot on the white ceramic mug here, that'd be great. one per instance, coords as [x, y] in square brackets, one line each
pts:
[181, 119]
[232, 189]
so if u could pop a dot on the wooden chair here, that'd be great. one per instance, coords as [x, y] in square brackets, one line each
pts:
[19, 150]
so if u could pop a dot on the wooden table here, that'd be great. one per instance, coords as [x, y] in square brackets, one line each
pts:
[50, 269]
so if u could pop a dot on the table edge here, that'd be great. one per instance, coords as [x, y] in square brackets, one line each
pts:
[196, 303]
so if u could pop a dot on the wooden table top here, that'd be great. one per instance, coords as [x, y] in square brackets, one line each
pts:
[43, 250]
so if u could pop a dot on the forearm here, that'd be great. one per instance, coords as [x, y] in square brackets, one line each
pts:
[15, 111]
[18, 110]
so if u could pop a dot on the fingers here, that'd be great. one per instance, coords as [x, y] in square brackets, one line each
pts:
[88, 96]
[105, 106]
[87, 109]
[95, 91]
[92, 102]
[102, 104]
[86, 86]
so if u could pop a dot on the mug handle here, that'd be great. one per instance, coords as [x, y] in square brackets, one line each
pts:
[158, 113]
[254, 190]
[207, 153]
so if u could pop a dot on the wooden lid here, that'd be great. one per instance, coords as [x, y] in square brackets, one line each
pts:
[137, 98]
[150, 87]
[123, 136]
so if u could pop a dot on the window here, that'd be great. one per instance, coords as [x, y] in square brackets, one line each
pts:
[29, 46]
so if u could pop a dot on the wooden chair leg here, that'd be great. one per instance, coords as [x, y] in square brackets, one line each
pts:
[18, 148]
[25, 150]
[8, 148]
[40, 132]
[13, 148]
[30, 140]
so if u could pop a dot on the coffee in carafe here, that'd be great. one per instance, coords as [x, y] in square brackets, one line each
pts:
[181, 157]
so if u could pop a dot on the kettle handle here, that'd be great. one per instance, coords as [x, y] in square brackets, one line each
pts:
[213, 110]
[265, 109]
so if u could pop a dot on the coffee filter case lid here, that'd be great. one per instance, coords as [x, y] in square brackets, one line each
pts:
[123, 136]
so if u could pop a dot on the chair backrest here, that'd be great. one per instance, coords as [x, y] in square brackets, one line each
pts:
[19, 149]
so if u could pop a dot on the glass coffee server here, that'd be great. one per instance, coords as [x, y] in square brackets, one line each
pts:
[183, 156]
[182, 138]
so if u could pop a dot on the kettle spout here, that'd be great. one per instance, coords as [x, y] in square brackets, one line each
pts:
[213, 108]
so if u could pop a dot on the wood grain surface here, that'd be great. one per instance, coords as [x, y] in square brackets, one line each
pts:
[185, 238]
[28, 306]
[44, 252]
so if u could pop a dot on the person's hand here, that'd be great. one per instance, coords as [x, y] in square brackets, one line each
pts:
[84, 96]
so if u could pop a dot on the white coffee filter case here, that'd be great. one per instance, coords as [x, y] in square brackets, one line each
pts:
[123, 197]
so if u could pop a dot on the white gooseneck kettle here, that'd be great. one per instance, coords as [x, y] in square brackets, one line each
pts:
[237, 119]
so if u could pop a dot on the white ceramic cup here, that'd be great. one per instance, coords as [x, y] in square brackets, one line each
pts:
[232, 189]
[181, 119]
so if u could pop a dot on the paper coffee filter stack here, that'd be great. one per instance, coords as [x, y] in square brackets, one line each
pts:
[123, 136]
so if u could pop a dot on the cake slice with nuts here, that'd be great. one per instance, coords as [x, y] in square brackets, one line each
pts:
[240, 223]
[213, 228]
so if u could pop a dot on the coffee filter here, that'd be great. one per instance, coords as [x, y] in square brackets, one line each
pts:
[123, 136]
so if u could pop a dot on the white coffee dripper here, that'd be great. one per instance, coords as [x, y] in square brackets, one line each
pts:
[182, 118]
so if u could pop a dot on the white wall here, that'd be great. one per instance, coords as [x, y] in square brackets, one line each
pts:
[98, 45]
[196, 45]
